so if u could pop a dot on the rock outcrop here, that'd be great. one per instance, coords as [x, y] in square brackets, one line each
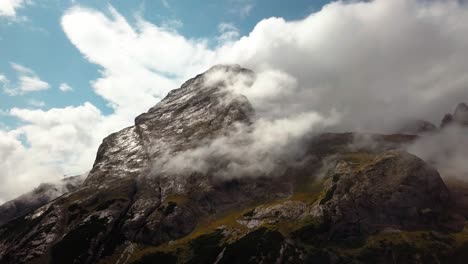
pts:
[392, 189]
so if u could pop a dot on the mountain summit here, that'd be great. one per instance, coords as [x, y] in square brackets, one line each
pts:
[459, 117]
[340, 202]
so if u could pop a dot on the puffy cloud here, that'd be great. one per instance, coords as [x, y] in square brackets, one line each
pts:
[28, 81]
[21, 169]
[140, 64]
[65, 87]
[8, 7]
[265, 149]
[372, 63]
[50, 145]
[59, 133]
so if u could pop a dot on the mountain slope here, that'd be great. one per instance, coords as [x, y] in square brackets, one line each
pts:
[38, 197]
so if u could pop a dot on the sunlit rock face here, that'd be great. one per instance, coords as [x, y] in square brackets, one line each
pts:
[197, 111]
[344, 188]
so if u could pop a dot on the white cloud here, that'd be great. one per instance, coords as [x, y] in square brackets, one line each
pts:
[59, 142]
[65, 87]
[27, 81]
[228, 32]
[371, 62]
[447, 150]
[150, 56]
[8, 7]
[262, 150]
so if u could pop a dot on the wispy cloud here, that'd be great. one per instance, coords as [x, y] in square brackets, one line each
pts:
[242, 7]
[65, 87]
[172, 24]
[228, 32]
[245, 10]
[27, 81]
[36, 103]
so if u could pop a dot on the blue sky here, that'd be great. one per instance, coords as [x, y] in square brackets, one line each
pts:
[35, 39]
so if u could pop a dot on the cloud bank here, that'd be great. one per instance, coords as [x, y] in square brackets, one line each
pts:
[375, 64]
[446, 150]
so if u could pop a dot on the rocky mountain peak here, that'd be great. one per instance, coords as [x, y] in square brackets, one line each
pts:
[202, 108]
[415, 127]
[459, 117]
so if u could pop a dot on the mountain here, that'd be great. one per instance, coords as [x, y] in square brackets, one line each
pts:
[418, 127]
[341, 201]
[38, 197]
[459, 117]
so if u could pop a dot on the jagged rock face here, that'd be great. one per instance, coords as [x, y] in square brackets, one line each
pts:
[447, 120]
[120, 155]
[197, 111]
[393, 189]
[459, 117]
[40, 196]
[128, 211]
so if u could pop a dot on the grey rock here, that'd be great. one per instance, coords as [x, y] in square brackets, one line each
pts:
[395, 189]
